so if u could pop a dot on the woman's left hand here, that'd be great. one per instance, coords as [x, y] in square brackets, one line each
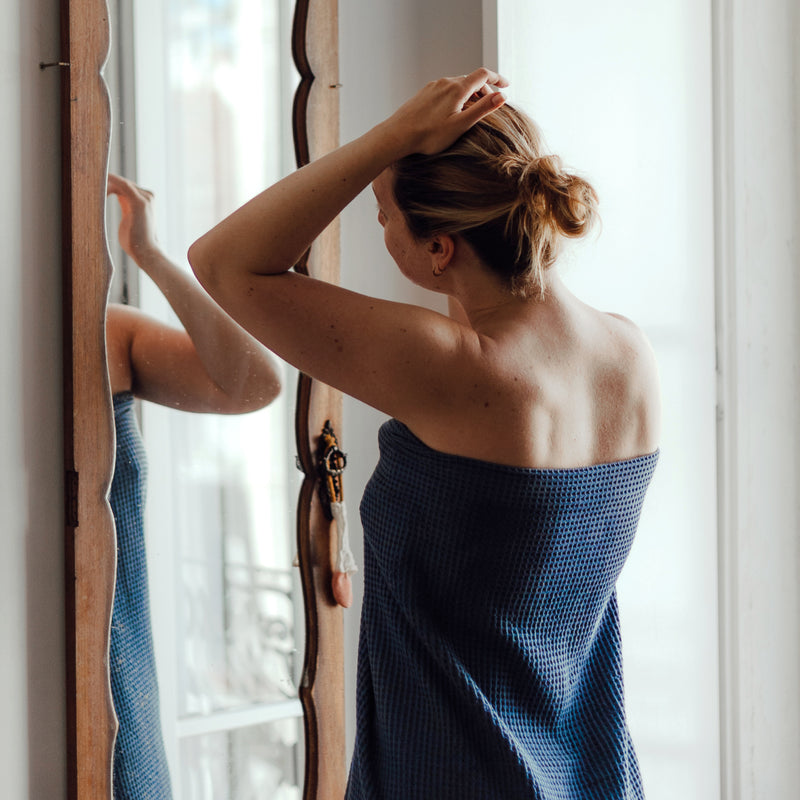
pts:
[137, 233]
[445, 109]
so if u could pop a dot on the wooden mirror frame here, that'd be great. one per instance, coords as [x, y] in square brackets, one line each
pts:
[90, 543]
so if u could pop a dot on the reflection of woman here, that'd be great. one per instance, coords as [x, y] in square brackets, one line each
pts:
[190, 369]
[512, 475]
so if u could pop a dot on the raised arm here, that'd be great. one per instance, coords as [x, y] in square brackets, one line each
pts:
[392, 356]
[213, 364]
[270, 233]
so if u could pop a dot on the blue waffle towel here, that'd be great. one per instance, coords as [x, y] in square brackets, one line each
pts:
[140, 764]
[489, 657]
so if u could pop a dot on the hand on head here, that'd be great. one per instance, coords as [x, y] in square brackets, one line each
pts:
[137, 233]
[446, 108]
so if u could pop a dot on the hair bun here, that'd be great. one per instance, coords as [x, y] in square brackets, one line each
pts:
[558, 197]
[498, 189]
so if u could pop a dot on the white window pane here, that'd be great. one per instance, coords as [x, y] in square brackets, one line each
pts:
[252, 763]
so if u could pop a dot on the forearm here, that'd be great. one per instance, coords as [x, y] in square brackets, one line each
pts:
[238, 364]
[270, 233]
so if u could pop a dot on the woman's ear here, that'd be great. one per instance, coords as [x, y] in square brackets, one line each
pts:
[441, 249]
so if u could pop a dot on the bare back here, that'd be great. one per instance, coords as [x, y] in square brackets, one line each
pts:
[555, 384]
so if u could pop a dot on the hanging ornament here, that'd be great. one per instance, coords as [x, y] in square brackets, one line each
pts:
[332, 462]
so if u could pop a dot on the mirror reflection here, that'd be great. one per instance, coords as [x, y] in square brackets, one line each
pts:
[207, 618]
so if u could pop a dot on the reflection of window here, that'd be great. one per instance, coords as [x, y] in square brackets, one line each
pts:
[252, 761]
[623, 92]
[213, 84]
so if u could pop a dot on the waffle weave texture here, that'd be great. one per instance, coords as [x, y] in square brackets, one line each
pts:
[140, 764]
[489, 655]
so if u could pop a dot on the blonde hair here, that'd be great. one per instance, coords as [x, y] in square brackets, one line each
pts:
[495, 188]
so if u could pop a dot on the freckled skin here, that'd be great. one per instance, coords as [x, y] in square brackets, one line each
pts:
[191, 366]
[567, 384]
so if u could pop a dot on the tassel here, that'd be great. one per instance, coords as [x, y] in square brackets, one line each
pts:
[331, 464]
[345, 563]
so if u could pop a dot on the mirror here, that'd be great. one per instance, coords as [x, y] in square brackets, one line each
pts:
[212, 702]
[205, 644]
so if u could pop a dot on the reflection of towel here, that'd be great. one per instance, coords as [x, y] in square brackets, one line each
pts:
[489, 658]
[140, 764]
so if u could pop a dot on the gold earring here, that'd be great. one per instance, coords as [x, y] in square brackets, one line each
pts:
[437, 270]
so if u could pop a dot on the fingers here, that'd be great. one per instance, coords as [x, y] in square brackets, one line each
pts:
[482, 83]
[443, 110]
[481, 79]
[114, 184]
[122, 186]
[478, 108]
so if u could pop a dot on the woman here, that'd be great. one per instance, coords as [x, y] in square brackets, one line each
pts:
[512, 474]
[187, 368]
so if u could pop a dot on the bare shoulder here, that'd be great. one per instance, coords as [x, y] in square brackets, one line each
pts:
[116, 314]
[124, 323]
[121, 322]
[638, 369]
[126, 328]
[629, 333]
[634, 344]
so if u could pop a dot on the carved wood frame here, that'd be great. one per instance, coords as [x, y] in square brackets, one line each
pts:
[90, 548]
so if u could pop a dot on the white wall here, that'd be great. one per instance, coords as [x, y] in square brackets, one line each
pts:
[32, 741]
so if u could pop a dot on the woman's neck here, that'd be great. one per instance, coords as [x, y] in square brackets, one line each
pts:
[487, 302]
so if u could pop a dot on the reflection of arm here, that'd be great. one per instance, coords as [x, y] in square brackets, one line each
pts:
[211, 365]
[160, 363]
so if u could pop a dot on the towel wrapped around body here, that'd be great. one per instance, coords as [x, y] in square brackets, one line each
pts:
[140, 761]
[489, 656]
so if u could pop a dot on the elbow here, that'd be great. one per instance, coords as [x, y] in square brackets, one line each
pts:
[266, 396]
[274, 384]
[200, 261]
[270, 391]
[267, 388]
[250, 400]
